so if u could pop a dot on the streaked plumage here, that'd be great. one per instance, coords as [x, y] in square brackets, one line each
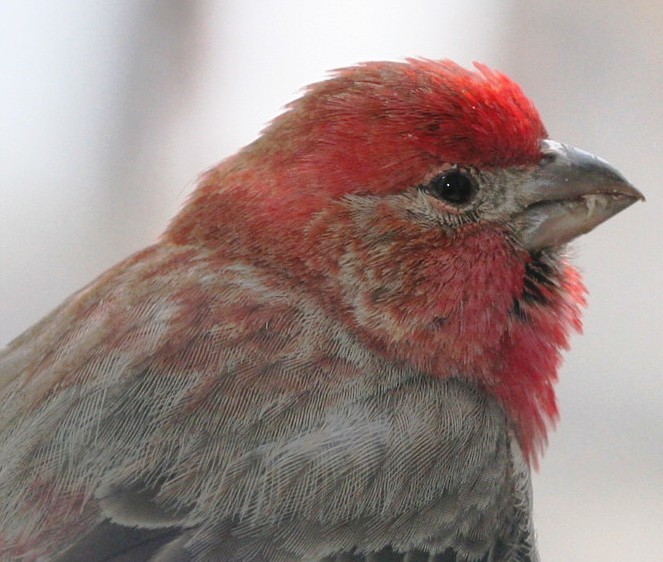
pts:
[320, 359]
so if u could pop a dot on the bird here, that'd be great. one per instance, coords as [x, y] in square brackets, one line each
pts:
[343, 348]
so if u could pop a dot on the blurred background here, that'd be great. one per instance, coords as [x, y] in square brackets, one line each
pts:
[110, 110]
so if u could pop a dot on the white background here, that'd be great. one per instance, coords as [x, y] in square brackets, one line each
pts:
[109, 110]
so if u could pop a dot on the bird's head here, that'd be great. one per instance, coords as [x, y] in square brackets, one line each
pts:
[423, 205]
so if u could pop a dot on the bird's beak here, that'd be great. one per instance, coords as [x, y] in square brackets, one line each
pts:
[570, 193]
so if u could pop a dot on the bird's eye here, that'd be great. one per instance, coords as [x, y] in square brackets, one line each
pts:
[454, 187]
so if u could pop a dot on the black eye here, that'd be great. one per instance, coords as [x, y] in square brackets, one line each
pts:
[453, 187]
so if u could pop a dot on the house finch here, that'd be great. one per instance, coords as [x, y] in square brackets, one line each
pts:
[342, 348]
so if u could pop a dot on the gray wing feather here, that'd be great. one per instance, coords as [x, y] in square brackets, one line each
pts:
[109, 542]
[282, 452]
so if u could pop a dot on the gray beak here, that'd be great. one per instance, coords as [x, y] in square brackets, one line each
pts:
[570, 193]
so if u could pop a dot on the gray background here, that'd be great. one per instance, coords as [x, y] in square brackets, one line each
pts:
[109, 110]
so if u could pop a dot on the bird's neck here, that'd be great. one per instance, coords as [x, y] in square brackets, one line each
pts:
[542, 320]
[470, 304]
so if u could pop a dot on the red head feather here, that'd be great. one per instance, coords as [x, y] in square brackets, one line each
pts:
[377, 127]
